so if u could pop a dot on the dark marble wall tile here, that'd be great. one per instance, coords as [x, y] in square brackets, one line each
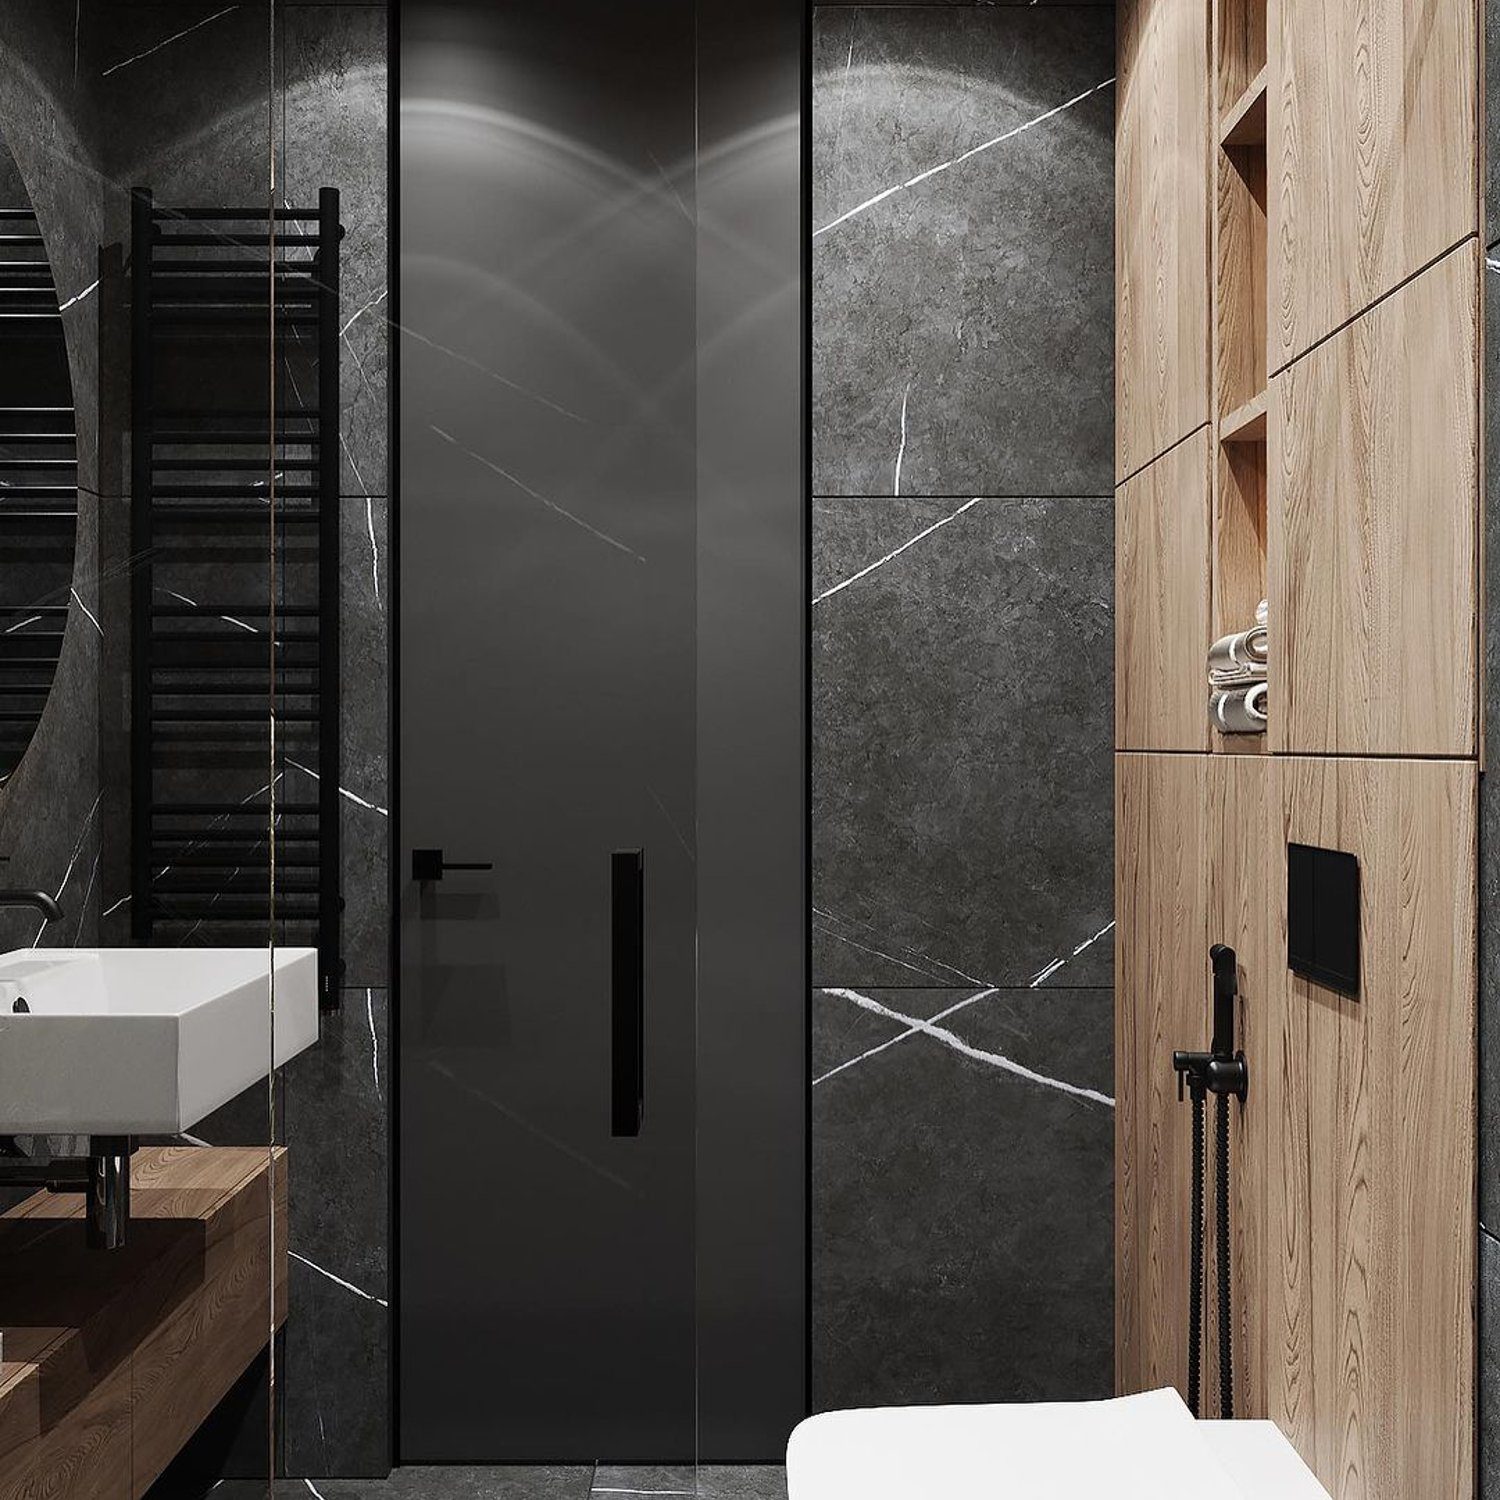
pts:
[962, 701]
[962, 713]
[1489, 1367]
[1489, 789]
[49, 806]
[963, 323]
[1492, 121]
[962, 1246]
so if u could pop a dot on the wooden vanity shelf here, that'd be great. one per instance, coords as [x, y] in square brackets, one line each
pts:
[112, 1359]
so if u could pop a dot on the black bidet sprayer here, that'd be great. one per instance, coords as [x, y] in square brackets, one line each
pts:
[1220, 1072]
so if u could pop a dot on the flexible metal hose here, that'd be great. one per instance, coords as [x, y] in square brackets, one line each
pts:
[1226, 1353]
[1195, 1283]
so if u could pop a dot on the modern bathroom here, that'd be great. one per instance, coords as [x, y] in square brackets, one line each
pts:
[977, 980]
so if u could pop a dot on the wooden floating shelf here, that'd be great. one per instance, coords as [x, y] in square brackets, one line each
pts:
[1246, 423]
[1244, 123]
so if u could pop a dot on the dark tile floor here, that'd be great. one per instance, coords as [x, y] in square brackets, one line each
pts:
[515, 1482]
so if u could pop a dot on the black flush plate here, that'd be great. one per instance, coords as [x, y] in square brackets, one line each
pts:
[1322, 916]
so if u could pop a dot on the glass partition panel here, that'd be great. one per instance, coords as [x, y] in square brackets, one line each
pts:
[137, 290]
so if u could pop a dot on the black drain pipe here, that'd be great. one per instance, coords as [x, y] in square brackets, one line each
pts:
[1221, 1072]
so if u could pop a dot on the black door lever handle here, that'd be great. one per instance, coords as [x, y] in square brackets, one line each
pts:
[429, 864]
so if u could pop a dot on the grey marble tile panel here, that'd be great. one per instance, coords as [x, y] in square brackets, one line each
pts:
[962, 730]
[1489, 788]
[963, 284]
[741, 1482]
[962, 1246]
[1489, 1368]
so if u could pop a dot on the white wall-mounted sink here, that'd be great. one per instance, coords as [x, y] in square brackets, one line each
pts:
[144, 1041]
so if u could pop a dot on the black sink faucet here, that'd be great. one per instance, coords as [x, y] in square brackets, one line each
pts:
[37, 900]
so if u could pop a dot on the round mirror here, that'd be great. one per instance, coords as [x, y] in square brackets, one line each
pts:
[38, 471]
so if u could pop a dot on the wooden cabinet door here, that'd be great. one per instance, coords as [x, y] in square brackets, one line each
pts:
[1161, 993]
[1370, 1171]
[1374, 528]
[1161, 602]
[1161, 228]
[1373, 141]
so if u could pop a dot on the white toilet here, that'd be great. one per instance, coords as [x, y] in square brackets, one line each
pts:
[1145, 1447]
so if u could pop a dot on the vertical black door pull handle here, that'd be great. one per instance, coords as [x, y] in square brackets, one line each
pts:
[627, 990]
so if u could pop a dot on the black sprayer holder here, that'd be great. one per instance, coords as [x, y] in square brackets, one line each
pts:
[1221, 1071]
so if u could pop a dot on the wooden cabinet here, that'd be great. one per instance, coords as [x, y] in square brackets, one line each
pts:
[1161, 993]
[1192, 838]
[1342, 437]
[1369, 1297]
[1162, 602]
[1374, 528]
[1161, 228]
[113, 1359]
[1374, 152]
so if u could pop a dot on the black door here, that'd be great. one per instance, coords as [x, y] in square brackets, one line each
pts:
[546, 603]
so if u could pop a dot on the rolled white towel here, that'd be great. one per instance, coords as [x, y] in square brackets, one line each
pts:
[1239, 710]
[1263, 612]
[1240, 651]
[1234, 677]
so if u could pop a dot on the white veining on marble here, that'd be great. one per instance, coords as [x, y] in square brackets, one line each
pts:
[11, 629]
[926, 973]
[534, 1130]
[901, 447]
[687, 848]
[978, 1054]
[311, 1486]
[113, 907]
[945, 166]
[956, 973]
[77, 36]
[227, 619]
[896, 552]
[374, 1042]
[88, 891]
[1037, 981]
[551, 505]
[344, 791]
[474, 364]
[84, 607]
[192, 1140]
[348, 1286]
[354, 317]
[83, 834]
[374, 549]
[1492, 262]
[88, 291]
[901, 1036]
[167, 42]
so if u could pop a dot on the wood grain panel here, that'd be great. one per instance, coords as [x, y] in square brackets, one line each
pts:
[1162, 602]
[114, 1359]
[1240, 286]
[1373, 528]
[1373, 152]
[221, 1319]
[1237, 832]
[1370, 1171]
[1162, 128]
[1161, 994]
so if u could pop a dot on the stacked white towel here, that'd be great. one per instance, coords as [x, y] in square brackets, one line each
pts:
[1237, 678]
